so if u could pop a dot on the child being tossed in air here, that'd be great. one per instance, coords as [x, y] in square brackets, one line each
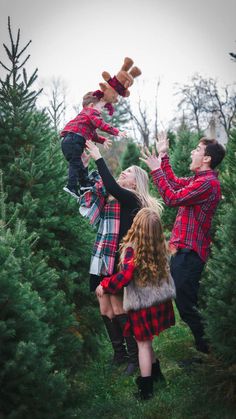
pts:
[148, 292]
[76, 132]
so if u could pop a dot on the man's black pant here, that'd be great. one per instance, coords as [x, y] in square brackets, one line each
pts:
[73, 147]
[186, 269]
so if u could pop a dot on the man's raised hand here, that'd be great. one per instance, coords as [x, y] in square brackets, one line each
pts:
[150, 159]
[162, 143]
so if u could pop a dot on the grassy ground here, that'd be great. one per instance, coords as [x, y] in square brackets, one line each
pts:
[188, 394]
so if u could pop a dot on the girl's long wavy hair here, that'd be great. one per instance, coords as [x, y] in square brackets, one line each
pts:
[142, 190]
[150, 250]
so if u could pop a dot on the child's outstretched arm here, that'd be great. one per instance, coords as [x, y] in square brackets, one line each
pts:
[98, 122]
[106, 141]
[116, 282]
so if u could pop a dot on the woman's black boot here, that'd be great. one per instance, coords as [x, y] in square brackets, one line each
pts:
[117, 340]
[131, 345]
[156, 372]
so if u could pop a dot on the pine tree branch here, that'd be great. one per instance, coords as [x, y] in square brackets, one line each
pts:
[33, 78]
[25, 76]
[8, 52]
[10, 33]
[17, 40]
[23, 50]
[232, 55]
[20, 66]
[3, 65]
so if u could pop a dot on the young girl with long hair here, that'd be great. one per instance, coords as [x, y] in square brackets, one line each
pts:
[148, 291]
[124, 198]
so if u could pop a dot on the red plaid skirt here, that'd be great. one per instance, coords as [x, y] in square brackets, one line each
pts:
[147, 322]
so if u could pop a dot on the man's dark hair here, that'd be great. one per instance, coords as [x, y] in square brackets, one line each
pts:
[213, 149]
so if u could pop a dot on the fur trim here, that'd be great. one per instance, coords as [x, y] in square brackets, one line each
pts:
[136, 298]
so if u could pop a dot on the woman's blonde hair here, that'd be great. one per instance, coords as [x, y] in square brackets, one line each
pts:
[142, 190]
[150, 250]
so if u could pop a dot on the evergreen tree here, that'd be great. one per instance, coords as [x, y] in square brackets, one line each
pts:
[180, 155]
[31, 383]
[219, 283]
[130, 156]
[34, 173]
[120, 117]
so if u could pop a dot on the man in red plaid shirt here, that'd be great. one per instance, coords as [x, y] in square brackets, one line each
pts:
[197, 198]
[76, 132]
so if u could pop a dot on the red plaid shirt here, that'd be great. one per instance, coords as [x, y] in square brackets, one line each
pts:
[197, 197]
[86, 123]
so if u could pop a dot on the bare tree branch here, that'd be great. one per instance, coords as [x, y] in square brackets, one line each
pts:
[55, 91]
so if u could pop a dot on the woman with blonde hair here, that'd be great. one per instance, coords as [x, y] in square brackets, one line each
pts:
[148, 292]
[116, 208]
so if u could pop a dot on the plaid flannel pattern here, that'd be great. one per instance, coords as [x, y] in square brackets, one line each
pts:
[93, 202]
[86, 123]
[146, 322]
[175, 182]
[107, 213]
[197, 197]
[116, 282]
[117, 86]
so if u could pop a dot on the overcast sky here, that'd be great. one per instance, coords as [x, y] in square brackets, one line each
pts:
[168, 39]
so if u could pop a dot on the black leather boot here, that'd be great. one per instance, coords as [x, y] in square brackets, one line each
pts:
[156, 372]
[132, 347]
[202, 345]
[145, 388]
[117, 340]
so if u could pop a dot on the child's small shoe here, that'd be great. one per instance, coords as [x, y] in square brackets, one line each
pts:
[94, 176]
[87, 186]
[71, 191]
[84, 189]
